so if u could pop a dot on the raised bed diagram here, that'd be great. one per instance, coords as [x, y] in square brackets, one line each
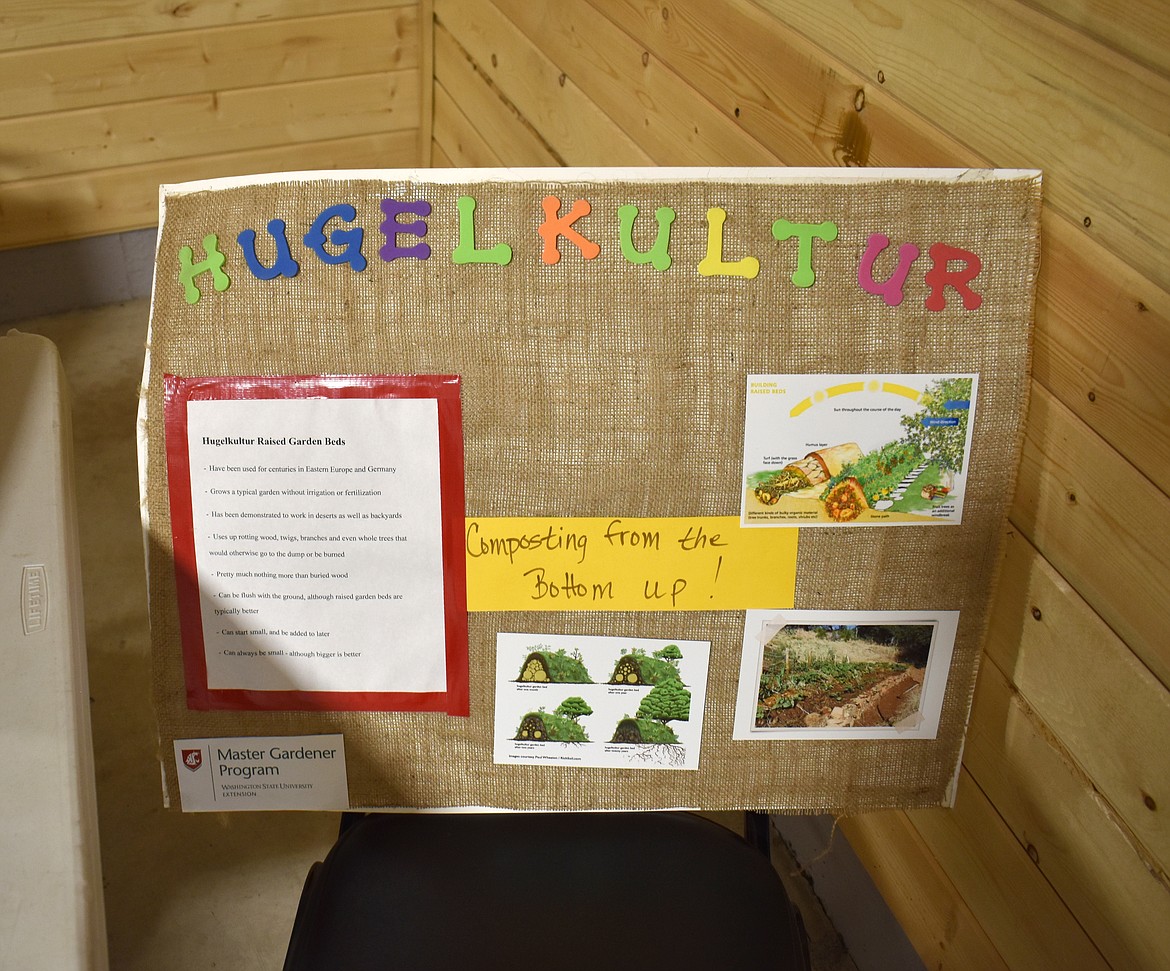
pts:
[638, 668]
[646, 704]
[554, 667]
[900, 452]
[667, 701]
[561, 725]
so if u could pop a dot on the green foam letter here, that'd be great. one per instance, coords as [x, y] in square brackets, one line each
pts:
[465, 251]
[658, 255]
[189, 270]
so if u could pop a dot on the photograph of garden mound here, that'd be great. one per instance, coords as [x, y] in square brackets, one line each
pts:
[843, 676]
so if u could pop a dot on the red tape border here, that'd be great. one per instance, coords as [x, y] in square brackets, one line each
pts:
[445, 389]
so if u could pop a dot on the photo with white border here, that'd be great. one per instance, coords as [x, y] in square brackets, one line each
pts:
[608, 702]
[840, 450]
[843, 673]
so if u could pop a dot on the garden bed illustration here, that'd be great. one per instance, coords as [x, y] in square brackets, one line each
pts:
[554, 667]
[910, 471]
[543, 726]
[640, 668]
[637, 714]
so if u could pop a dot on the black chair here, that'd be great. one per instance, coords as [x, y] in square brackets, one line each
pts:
[556, 891]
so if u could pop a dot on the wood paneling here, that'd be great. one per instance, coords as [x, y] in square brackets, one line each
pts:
[426, 66]
[1026, 90]
[671, 120]
[112, 200]
[102, 98]
[514, 141]
[921, 896]
[1075, 840]
[67, 77]
[1137, 29]
[457, 137]
[1100, 523]
[1026, 919]
[1103, 346]
[232, 121]
[43, 23]
[1055, 855]
[538, 91]
[771, 82]
[1087, 688]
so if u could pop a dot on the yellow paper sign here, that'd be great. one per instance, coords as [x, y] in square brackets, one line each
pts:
[700, 563]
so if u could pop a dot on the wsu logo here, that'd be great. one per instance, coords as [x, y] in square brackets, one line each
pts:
[192, 758]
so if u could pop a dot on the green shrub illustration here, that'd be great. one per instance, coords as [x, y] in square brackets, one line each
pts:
[643, 731]
[574, 708]
[542, 726]
[554, 667]
[942, 443]
[669, 653]
[639, 668]
[667, 701]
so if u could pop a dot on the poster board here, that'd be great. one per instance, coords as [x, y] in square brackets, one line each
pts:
[606, 327]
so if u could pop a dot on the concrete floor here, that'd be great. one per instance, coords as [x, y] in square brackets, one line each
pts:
[187, 891]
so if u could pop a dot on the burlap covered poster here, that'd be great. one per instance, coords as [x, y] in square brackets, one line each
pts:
[609, 330]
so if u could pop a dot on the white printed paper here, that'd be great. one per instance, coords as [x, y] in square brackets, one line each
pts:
[615, 702]
[318, 543]
[262, 772]
[857, 449]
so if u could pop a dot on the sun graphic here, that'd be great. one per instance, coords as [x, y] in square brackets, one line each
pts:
[854, 387]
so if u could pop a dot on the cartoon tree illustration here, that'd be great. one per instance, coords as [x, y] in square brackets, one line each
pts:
[639, 668]
[667, 701]
[939, 431]
[669, 653]
[573, 708]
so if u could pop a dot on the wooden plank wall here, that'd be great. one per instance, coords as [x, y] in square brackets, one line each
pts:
[1056, 853]
[104, 101]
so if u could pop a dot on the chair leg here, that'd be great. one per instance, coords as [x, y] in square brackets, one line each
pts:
[347, 820]
[757, 830]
